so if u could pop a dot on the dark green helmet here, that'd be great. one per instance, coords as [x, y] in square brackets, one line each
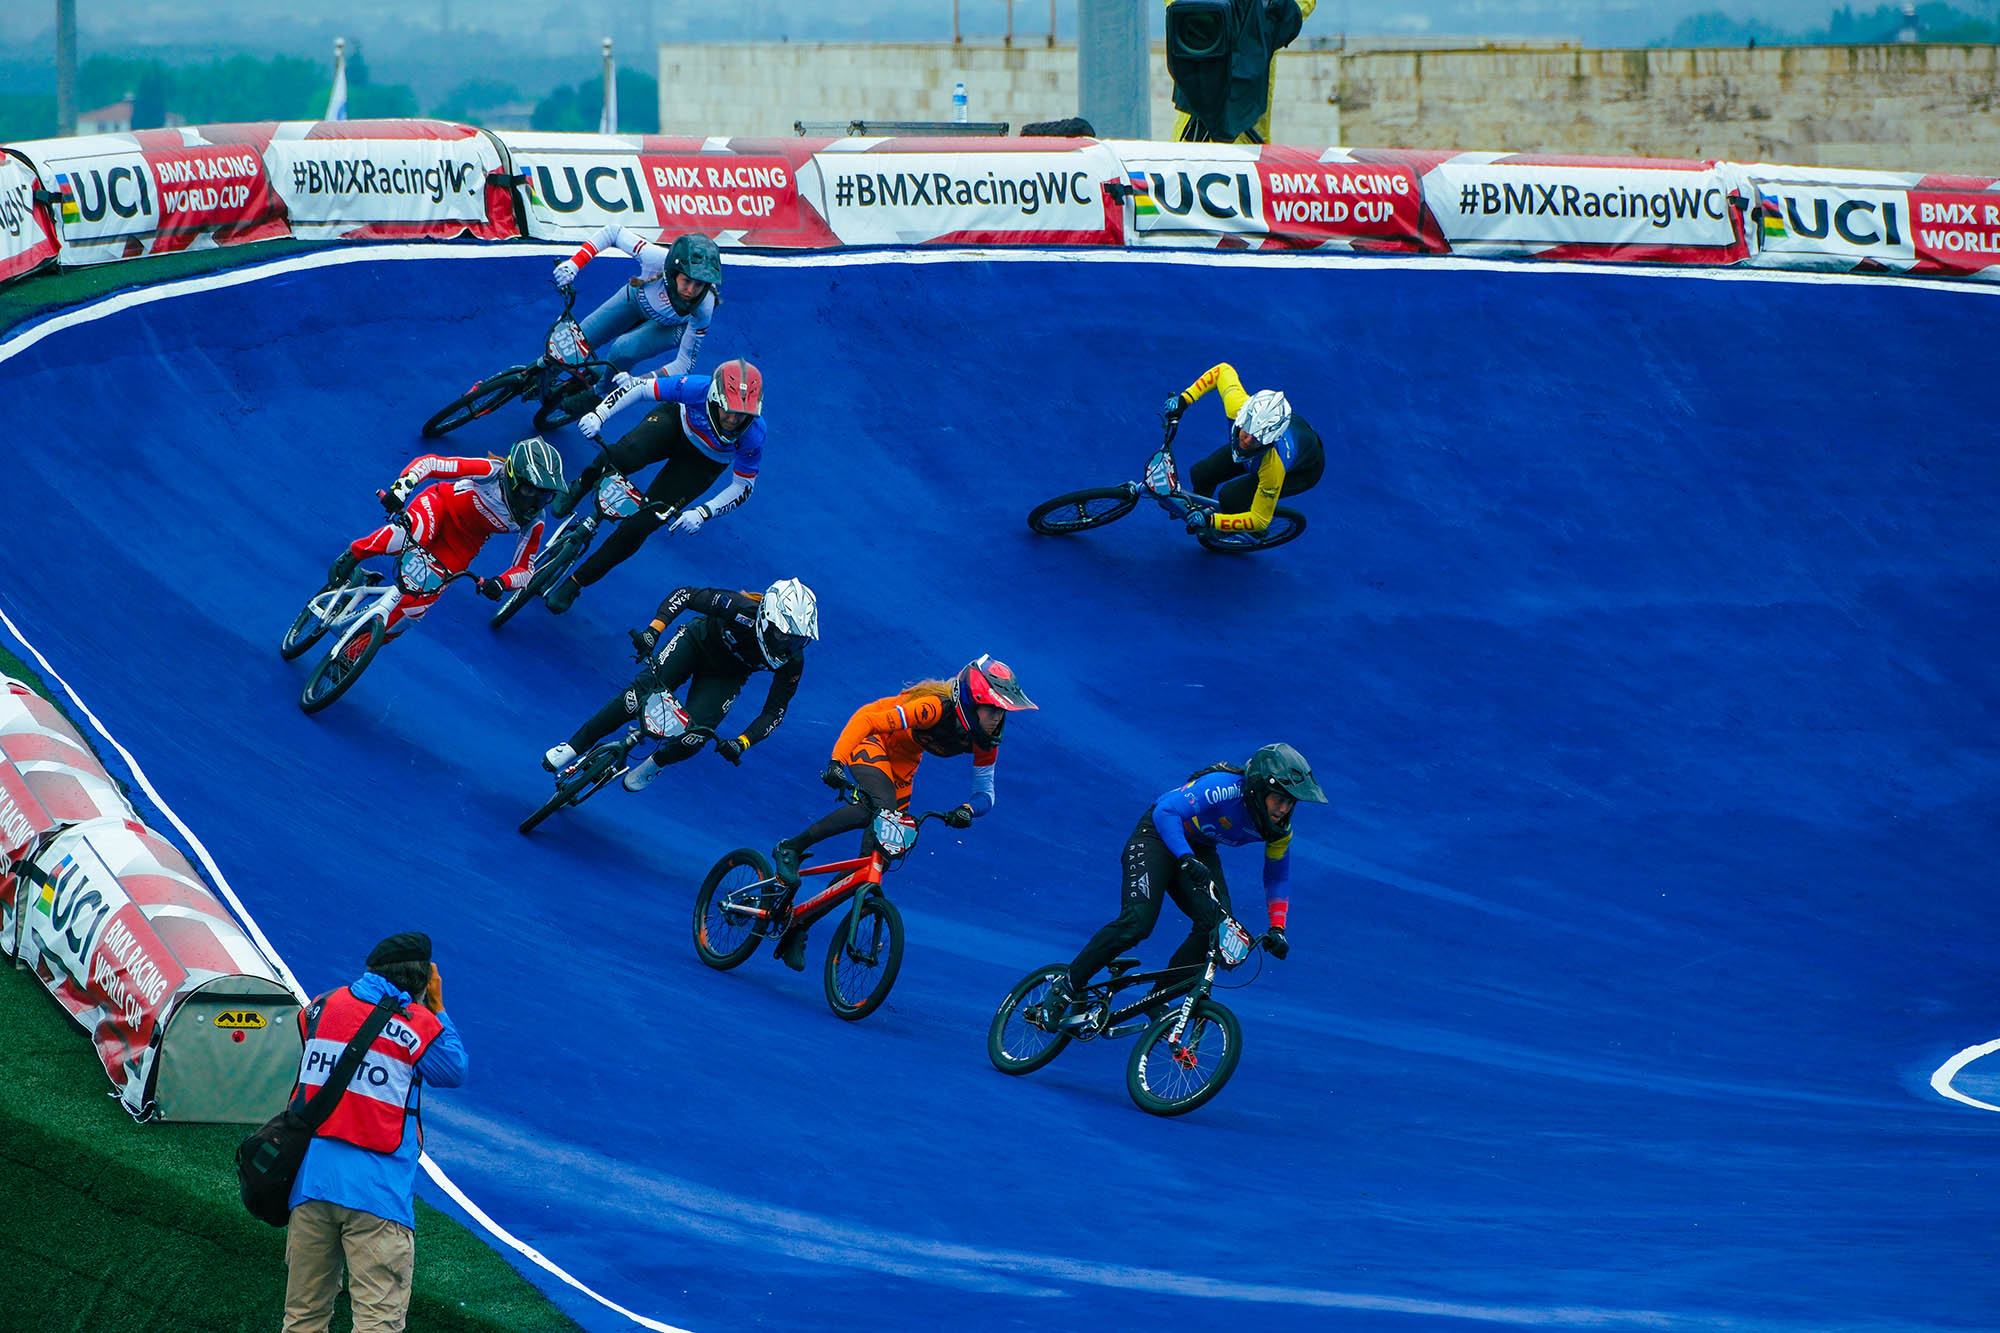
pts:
[534, 477]
[697, 256]
[1277, 767]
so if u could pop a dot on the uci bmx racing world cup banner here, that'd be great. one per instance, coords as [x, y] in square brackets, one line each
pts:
[379, 179]
[742, 191]
[979, 192]
[27, 234]
[1282, 197]
[1635, 208]
[120, 196]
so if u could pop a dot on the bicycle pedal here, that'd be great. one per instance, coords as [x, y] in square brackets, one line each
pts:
[1127, 1029]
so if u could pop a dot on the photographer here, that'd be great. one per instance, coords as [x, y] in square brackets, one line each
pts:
[1223, 56]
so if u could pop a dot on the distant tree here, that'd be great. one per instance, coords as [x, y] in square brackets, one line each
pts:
[149, 98]
[581, 107]
[244, 88]
[464, 102]
[368, 100]
[26, 116]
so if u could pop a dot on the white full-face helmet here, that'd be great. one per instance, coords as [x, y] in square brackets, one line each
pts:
[787, 620]
[1265, 417]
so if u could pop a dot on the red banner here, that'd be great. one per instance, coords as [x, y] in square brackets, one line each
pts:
[219, 188]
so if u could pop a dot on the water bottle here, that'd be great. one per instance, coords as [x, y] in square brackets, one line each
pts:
[958, 103]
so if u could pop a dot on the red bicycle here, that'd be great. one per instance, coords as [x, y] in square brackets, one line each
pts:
[742, 903]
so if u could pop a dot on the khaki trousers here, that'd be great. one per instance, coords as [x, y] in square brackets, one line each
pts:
[380, 1256]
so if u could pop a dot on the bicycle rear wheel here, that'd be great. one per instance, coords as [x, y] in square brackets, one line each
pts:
[578, 787]
[1166, 1077]
[484, 397]
[731, 913]
[343, 666]
[551, 569]
[570, 402]
[304, 632]
[864, 958]
[1286, 525]
[1079, 511]
[1013, 1044]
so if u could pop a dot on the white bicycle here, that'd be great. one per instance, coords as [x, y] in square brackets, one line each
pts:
[359, 610]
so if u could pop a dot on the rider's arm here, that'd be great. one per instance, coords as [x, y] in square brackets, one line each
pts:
[1278, 879]
[784, 684]
[983, 794]
[1270, 484]
[735, 493]
[1219, 376]
[704, 600]
[518, 573]
[425, 466]
[611, 236]
[692, 333]
[1168, 813]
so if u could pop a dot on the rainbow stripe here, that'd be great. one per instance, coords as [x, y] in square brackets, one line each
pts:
[68, 192]
[1142, 197]
[1774, 216]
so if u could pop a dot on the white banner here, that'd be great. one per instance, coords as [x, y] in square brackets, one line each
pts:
[25, 237]
[576, 183]
[899, 198]
[338, 186]
[1843, 224]
[1204, 187]
[106, 205]
[1478, 201]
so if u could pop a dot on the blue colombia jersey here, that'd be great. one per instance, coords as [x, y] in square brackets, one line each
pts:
[1200, 815]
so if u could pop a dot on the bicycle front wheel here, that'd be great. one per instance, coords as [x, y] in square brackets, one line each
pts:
[1080, 511]
[732, 911]
[1167, 1077]
[553, 566]
[1013, 1044]
[864, 958]
[303, 633]
[578, 787]
[343, 666]
[1286, 525]
[482, 398]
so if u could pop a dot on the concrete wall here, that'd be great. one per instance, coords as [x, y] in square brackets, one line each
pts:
[1911, 107]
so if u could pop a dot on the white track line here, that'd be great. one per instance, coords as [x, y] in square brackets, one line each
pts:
[1946, 1072]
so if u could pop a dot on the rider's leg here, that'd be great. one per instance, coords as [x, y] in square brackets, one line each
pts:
[709, 696]
[1212, 471]
[686, 473]
[644, 342]
[619, 314]
[1205, 911]
[1145, 865]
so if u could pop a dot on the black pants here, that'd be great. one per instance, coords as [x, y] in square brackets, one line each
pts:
[677, 662]
[1148, 866]
[1239, 488]
[686, 473]
[844, 818]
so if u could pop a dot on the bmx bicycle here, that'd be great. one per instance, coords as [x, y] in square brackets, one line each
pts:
[360, 610]
[1191, 1043]
[742, 903]
[661, 719]
[563, 381]
[1080, 511]
[612, 500]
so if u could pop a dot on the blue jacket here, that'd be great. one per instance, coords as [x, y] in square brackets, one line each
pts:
[374, 1182]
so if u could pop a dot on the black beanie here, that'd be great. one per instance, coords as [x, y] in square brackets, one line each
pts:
[412, 946]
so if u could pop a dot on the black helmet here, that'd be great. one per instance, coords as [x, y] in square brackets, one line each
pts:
[534, 476]
[1276, 768]
[697, 256]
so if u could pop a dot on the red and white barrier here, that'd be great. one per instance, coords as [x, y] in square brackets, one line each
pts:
[1876, 221]
[27, 231]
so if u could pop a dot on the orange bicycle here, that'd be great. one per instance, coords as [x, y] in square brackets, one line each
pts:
[742, 903]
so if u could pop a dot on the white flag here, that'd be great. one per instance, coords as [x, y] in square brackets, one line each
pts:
[336, 104]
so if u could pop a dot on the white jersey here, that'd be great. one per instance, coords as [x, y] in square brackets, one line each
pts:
[652, 293]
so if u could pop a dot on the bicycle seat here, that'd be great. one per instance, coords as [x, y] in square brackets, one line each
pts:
[1120, 966]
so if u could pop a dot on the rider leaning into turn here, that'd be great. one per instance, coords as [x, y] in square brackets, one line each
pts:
[708, 423]
[668, 307]
[486, 497]
[1271, 453]
[1174, 847]
[737, 634]
[879, 750]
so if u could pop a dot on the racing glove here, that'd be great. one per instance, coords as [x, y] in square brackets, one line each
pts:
[643, 641]
[1274, 942]
[493, 589]
[590, 423]
[960, 817]
[564, 276]
[836, 776]
[1195, 874]
[398, 494]
[1198, 521]
[1170, 411]
[690, 520]
[731, 750]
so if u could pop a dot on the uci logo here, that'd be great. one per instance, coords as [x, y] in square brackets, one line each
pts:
[599, 184]
[1224, 196]
[121, 191]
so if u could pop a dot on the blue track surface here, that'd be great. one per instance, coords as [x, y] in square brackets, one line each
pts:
[1643, 638]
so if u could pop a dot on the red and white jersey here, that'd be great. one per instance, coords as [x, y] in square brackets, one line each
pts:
[454, 523]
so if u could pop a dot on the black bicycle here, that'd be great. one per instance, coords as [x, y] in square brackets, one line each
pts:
[1080, 511]
[1192, 1041]
[742, 903]
[661, 719]
[612, 500]
[563, 381]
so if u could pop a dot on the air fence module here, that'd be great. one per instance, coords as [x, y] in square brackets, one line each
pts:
[190, 1020]
[104, 198]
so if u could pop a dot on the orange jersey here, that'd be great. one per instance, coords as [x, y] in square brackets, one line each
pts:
[884, 735]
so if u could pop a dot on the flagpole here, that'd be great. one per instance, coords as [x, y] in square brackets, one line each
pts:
[609, 124]
[336, 101]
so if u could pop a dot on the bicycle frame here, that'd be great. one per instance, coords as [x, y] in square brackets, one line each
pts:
[1161, 481]
[1192, 985]
[565, 353]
